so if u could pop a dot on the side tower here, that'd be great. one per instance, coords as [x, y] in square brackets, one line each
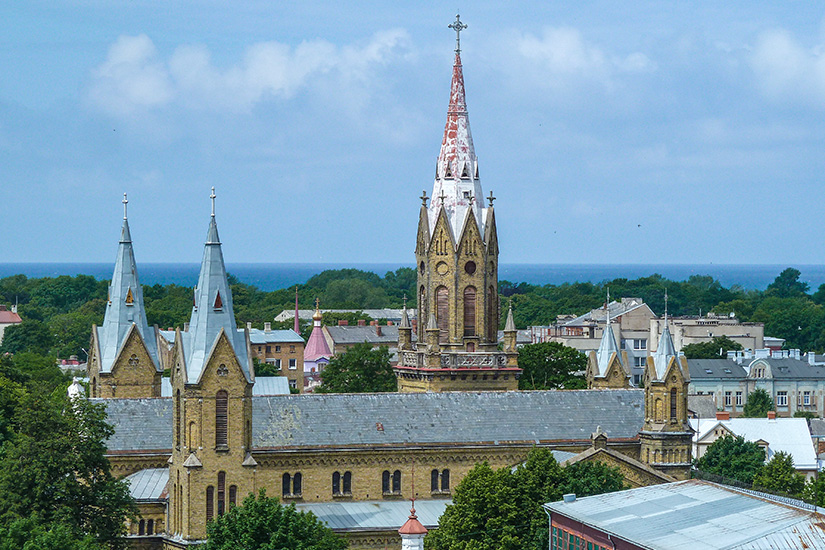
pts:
[212, 377]
[607, 368]
[123, 359]
[457, 257]
[666, 438]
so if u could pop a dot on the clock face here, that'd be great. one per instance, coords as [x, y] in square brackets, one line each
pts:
[442, 268]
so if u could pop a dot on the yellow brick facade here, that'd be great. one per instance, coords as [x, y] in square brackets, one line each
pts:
[133, 373]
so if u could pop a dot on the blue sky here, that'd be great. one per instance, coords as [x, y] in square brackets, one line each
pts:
[611, 132]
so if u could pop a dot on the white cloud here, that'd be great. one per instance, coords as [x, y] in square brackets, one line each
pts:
[134, 78]
[786, 70]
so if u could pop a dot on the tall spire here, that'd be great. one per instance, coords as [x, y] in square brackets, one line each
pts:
[665, 350]
[405, 319]
[457, 185]
[125, 305]
[608, 345]
[212, 310]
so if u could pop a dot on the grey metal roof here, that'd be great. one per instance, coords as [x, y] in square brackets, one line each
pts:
[121, 314]
[614, 309]
[443, 418]
[817, 426]
[715, 368]
[792, 368]
[289, 336]
[377, 515]
[353, 334]
[696, 515]
[702, 405]
[264, 385]
[148, 484]
[390, 314]
[140, 424]
[207, 320]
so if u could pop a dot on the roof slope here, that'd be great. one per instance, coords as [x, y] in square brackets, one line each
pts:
[148, 484]
[381, 515]
[142, 425]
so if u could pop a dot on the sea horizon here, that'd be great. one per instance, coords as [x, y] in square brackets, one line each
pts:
[273, 276]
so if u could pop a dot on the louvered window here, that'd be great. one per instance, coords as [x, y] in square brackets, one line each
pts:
[210, 503]
[673, 404]
[442, 308]
[221, 493]
[470, 311]
[221, 418]
[233, 495]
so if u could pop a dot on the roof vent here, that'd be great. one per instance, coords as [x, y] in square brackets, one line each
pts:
[569, 497]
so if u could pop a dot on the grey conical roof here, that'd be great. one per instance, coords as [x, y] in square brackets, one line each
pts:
[212, 311]
[607, 347]
[510, 325]
[664, 352]
[125, 307]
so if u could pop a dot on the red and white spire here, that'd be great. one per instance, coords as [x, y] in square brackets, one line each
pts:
[457, 185]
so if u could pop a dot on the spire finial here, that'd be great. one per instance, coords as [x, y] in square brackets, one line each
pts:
[424, 198]
[125, 201]
[442, 197]
[212, 196]
[457, 26]
[665, 306]
[607, 307]
[491, 198]
[317, 303]
[405, 301]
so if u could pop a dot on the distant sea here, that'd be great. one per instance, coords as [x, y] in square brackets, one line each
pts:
[274, 276]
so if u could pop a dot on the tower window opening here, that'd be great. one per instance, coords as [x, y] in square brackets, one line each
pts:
[210, 503]
[442, 305]
[673, 403]
[470, 311]
[221, 493]
[221, 418]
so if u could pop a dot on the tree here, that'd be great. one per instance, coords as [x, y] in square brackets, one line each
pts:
[54, 470]
[779, 475]
[805, 414]
[551, 365]
[29, 335]
[814, 491]
[711, 350]
[733, 457]
[263, 523]
[758, 404]
[359, 369]
[501, 509]
[788, 285]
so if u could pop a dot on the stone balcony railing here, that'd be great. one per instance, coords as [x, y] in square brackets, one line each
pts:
[457, 360]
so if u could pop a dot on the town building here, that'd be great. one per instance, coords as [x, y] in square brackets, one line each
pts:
[693, 514]
[317, 353]
[282, 349]
[8, 317]
[376, 314]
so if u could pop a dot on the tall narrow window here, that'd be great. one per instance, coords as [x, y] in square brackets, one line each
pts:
[336, 483]
[470, 311]
[673, 403]
[221, 406]
[396, 481]
[221, 493]
[286, 485]
[385, 482]
[233, 495]
[434, 481]
[150, 527]
[210, 503]
[442, 312]
[296, 484]
[492, 317]
[445, 481]
[142, 527]
[423, 314]
[177, 419]
[347, 483]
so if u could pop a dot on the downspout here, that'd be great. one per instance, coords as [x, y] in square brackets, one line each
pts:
[611, 541]
[549, 528]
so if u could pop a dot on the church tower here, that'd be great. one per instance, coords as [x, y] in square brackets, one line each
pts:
[666, 438]
[212, 378]
[123, 360]
[456, 254]
[607, 368]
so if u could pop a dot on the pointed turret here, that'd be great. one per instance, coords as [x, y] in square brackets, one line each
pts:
[665, 350]
[212, 311]
[124, 308]
[317, 346]
[457, 184]
[607, 346]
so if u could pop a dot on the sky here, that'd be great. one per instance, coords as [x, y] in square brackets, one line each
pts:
[610, 132]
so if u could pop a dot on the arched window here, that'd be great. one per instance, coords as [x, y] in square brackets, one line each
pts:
[233, 495]
[470, 311]
[94, 387]
[177, 419]
[492, 315]
[658, 410]
[396, 481]
[673, 403]
[336, 483]
[221, 493]
[142, 527]
[445, 481]
[442, 312]
[221, 420]
[296, 484]
[286, 485]
[150, 527]
[210, 504]
[434, 481]
[347, 485]
[191, 438]
[423, 315]
[385, 482]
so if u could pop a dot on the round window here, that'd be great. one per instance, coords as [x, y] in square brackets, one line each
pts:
[470, 267]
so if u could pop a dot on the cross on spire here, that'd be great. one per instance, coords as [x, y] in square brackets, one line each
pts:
[212, 196]
[317, 303]
[125, 201]
[424, 198]
[442, 197]
[457, 26]
[607, 307]
[491, 198]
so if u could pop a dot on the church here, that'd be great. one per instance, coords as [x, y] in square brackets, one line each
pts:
[214, 439]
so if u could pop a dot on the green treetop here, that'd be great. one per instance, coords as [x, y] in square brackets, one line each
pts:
[733, 457]
[551, 366]
[758, 404]
[359, 369]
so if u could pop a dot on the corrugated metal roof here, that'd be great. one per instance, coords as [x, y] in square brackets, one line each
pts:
[148, 484]
[374, 515]
[696, 515]
[264, 385]
[258, 336]
[460, 417]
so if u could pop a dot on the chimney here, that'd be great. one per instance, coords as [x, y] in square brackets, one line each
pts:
[811, 358]
[267, 327]
[722, 415]
[771, 415]
[362, 322]
[249, 325]
[372, 323]
[2, 307]
[389, 323]
[186, 327]
[377, 329]
[343, 322]
[569, 497]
